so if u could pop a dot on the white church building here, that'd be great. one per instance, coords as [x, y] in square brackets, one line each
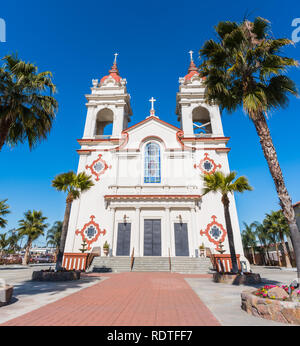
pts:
[147, 193]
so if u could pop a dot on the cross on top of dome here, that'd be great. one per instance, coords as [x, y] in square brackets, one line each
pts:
[113, 72]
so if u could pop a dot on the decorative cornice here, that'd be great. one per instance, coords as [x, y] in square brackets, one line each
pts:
[205, 139]
[144, 197]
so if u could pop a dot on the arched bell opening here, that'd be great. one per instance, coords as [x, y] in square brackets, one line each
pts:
[201, 121]
[104, 122]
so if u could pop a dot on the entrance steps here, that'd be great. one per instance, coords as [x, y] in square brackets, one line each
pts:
[151, 264]
[180, 264]
[191, 265]
[110, 264]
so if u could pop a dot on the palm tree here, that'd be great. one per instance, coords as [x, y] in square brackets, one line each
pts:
[225, 184]
[32, 226]
[13, 240]
[3, 211]
[249, 239]
[3, 243]
[245, 67]
[26, 112]
[276, 223]
[74, 185]
[263, 237]
[53, 236]
[273, 240]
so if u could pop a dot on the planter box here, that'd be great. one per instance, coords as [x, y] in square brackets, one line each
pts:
[271, 309]
[55, 276]
[6, 294]
[237, 279]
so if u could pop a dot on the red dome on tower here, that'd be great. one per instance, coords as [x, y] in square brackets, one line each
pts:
[193, 70]
[113, 72]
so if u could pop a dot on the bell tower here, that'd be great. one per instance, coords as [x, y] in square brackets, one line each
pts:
[108, 106]
[196, 117]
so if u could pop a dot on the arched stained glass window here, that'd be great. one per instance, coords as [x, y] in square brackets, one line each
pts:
[152, 163]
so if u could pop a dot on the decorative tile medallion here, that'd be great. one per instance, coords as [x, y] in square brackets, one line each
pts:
[215, 232]
[98, 167]
[90, 232]
[207, 165]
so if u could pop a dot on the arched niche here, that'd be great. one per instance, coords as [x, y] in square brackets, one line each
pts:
[104, 121]
[201, 120]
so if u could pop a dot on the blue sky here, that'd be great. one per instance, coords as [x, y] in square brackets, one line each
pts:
[76, 41]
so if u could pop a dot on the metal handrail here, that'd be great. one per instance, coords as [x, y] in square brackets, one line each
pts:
[132, 259]
[170, 264]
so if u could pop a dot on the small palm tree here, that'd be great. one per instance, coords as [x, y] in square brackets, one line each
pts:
[53, 237]
[218, 182]
[4, 210]
[26, 112]
[244, 67]
[276, 224]
[263, 237]
[32, 226]
[3, 243]
[249, 239]
[13, 240]
[73, 185]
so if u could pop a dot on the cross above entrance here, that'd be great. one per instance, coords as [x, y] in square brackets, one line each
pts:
[152, 110]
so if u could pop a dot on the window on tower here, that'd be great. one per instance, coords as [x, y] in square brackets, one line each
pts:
[152, 163]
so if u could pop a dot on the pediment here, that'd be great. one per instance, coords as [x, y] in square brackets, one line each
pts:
[152, 128]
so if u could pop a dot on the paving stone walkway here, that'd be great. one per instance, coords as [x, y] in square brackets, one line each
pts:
[126, 299]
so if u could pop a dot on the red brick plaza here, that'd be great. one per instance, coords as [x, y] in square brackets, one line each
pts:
[126, 299]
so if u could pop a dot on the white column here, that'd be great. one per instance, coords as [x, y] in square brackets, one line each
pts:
[215, 119]
[193, 233]
[171, 232]
[187, 121]
[168, 230]
[118, 121]
[113, 240]
[137, 231]
[90, 122]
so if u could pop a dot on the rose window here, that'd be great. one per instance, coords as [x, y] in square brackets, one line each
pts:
[207, 166]
[98, 167]
[215, 232]
[90, 232]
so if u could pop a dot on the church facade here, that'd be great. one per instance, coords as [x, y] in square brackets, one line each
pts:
[147, 193]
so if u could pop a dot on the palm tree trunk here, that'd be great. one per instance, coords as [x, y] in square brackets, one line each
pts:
[270, 154]
[286, 255]
[253, 255]
[26, 257]
[64, 234]
[278, 255]
[268, 256]
[225, 202]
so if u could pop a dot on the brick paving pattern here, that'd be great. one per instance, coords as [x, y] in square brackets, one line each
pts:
[126, 299]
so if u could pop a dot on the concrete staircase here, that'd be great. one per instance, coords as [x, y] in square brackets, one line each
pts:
[191, 265]
[110, 264]
[151, 264]
[184, 265]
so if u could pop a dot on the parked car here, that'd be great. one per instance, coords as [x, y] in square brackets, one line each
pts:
[42, 260]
